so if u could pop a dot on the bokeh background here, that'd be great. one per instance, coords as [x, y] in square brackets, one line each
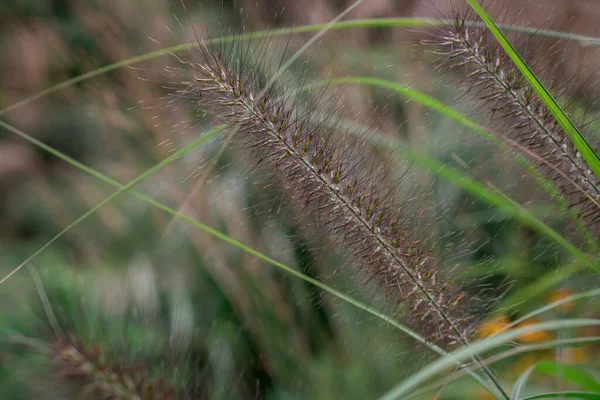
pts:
[185, 307]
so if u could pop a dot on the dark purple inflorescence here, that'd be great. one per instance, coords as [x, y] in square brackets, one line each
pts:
[324, 175]
[96, 373]
[522, 116]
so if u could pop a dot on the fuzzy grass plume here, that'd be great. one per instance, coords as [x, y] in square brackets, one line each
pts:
[335, 180]
[89, 349]
[521, 116]
[95, 374]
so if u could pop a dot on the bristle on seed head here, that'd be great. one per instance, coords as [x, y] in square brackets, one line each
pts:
[322, 175]
[489, 74]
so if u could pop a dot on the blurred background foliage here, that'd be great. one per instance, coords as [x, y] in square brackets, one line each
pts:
[135, 286]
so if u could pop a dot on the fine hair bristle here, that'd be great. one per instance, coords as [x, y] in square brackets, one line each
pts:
[94, 373]
[493, 79]
[336, 181]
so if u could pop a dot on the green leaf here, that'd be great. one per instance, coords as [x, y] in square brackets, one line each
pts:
[476, 348]
[521, 382]
[561, 371]
[565, 122]
[565, 395]
[554, 344]
[569, 373]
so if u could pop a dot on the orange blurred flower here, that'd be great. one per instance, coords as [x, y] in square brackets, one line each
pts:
[559, 294]
[529, 360]
[536, 336]
[492, 326]
[577, 355]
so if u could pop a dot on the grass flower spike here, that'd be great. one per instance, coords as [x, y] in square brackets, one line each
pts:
[325, 176]
[95, 374]
[522, 116]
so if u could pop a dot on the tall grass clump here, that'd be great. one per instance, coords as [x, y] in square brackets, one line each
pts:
[349, 189]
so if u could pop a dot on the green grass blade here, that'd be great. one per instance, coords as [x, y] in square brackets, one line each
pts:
[565, 395]
[548, 307]
[479, 347]
[113, 196]
[569, 373]
[565, 372]
[443, 109]
[541, 286]
[358, 23]
[412, 94]
[563, 119]
[553, 344]
[482, 192]
[520, 383]
[493, 197]
[369, 309]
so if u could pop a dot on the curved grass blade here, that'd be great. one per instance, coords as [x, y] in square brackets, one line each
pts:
[358, 23]
[565, 395]
[569, 373]
[479, 190]
[548, 307]
[493, 197]
[553, 344]
[478, 348]
[369, 309]
[563, 119]
[462, 119]
[540, 286]
[110, 198]
[521, 382]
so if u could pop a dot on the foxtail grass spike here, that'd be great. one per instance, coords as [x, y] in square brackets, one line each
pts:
[95, 374]
[521, 115]
[323, 175]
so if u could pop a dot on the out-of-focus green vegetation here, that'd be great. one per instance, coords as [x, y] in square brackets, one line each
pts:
[146, 292]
